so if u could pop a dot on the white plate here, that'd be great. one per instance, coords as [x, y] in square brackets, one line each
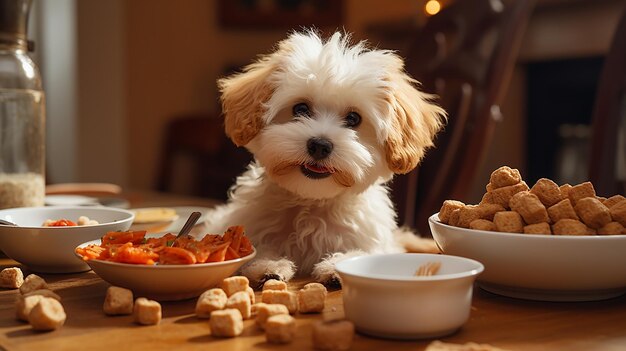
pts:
[70, 200]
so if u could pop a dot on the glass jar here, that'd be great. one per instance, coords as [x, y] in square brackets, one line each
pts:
[22, 113]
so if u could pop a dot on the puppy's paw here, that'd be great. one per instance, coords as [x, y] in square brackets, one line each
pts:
[261, 270]
[266, 277]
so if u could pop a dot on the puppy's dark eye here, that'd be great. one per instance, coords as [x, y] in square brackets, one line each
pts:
[353, 119]
[301, 110]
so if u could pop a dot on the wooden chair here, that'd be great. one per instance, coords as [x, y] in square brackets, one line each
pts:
[609, 120]
[216, 160]
[466, 55]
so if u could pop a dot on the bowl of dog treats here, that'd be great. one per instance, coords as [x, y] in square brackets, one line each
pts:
[408, 295]
[163, 267]
[44, 238]
[547, 242]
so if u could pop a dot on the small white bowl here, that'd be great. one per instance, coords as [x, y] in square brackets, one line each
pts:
[165, 282]
[51, 249]
[383, 297]
[540, 267]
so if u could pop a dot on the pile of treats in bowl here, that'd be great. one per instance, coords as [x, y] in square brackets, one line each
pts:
[510, 206]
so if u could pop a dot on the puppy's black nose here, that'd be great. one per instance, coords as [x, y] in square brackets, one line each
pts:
[319, 148]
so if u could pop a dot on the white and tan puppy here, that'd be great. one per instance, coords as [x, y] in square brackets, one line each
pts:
[328, 124]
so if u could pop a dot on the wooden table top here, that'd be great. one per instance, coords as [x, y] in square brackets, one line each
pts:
[500, 321]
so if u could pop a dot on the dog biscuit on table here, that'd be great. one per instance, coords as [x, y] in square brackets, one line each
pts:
[11, 278]
[266, 310]
[226, 323]
[581, 191]
[618, 212]
[504, 176]
[612, 228]
[274, 284]
[483, 224]
[538, 228]
[210, 300]
[47, 314]
[592, 212]
[118, 301]
[282, 297]
[280, 329]
[502, 196]
[333, 335]
[508, 222]
[146, 312]
[447, 208]
[31, 283]
[467, 214]
[562, 210]
[570, 227]
[241, 301]
[529, 207]
[24, 304]
[454, 217]
[44, 293]
[487, 210]
[235, 284]
[311, 298]
[547, 191]
[613, 200]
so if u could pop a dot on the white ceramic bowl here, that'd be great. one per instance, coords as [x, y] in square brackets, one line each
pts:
[383, 297]
[165, 282]
[51, 249]
[540, 267]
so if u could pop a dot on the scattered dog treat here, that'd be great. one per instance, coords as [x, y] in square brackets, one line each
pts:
[118, 301]
[470, 346]
[24, 304]
[31, 283]
[11, 278]
[265, 311]
[283, 297]
[146, 312]
[280, 329]
[47, 314]
[234, 284]
[273, 284]
[210, 300]
[226, 323]
[250, 293]
[312, 298]
[333, 335]
[44, 293]
[240, 301]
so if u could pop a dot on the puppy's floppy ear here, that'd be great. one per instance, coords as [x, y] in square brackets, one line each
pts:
[414, 122]
[243, 98]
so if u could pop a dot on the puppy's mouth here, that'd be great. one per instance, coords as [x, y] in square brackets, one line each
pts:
[316, 171]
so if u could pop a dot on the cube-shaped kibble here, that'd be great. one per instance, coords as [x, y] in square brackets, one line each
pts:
[483, 224]
[612, 228]
[24, 304]
[333, 335]
[47, 314]
[547, 191]
[467, 214]
[311, 298]
[274, 284]
[11, 278]
[146, 312]
[562, 210]
[235, 284]
[33, 282]
[118, 301]
[502, 196]
[504, 176]
[618, 212]
[447, 208]
[44, 293]
[538, 228]
[265, 311]
[226, 323]
[565, 188]
[487, 210]
[282, 297]
[454, 217]
[210, 300]
[487, 198]
[581, 191]
[240, 301]
[250, 292]
[508, 222]
[489, 187]
[592, 212]
[613, 200]
[529, 207]
[280, 329]
[569, 227]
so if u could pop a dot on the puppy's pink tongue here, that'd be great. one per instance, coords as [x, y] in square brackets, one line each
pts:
[318, 169]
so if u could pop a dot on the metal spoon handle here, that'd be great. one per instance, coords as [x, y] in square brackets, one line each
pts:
[191, 221]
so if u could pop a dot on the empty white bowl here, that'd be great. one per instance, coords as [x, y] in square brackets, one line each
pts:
[51, 249]
[165, 282]
[540, 267]
[383, 297]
